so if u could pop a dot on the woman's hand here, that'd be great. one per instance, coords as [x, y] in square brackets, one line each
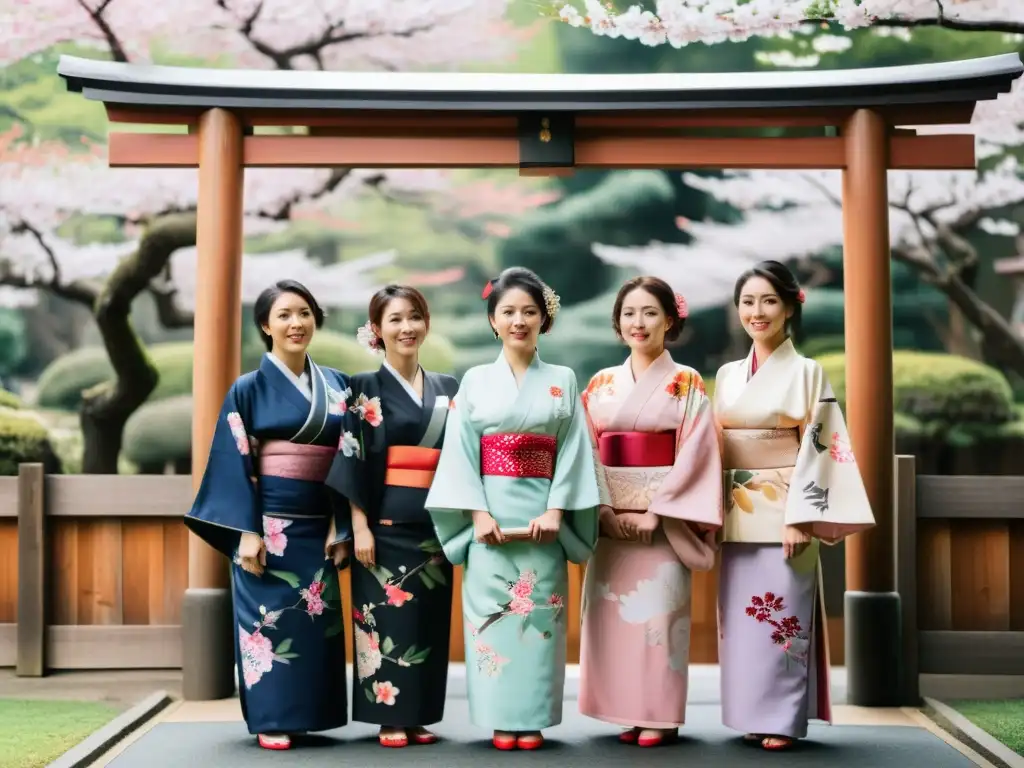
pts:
[486, 529]
[337, 553]
[794, 542]
[365, 547]
[610, 523]
[252, 555]
[544, 529]
[639, 526]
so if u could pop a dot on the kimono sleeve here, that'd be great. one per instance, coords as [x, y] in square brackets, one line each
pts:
[227, 503]
[604, 496]
[689, 499]
[826, 497]
[574, 487]
[349, 476]
[457, 489]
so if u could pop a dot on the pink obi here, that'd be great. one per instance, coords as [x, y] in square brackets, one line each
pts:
[518, 455]
[637, 449]
[280, 458]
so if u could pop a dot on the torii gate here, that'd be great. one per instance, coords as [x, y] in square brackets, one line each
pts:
[545, 124]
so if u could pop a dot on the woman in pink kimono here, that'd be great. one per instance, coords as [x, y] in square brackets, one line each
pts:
[659, 477]
[791, 483]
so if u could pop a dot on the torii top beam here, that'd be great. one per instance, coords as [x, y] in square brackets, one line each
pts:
[543, 121]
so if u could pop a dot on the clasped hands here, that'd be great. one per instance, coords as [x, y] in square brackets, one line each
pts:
[252, 551]
[629, 526]
[542, 529]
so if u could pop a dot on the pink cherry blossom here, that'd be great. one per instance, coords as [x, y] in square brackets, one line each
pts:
[396, 595]
[521, 606]
[257, 656]
[313, 595]
[385, 692]
[274, 538]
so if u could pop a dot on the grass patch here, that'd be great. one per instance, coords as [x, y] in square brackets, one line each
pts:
[1003, 720]
[34, 733]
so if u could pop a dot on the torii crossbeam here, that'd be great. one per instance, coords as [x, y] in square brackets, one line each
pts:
[550, 124]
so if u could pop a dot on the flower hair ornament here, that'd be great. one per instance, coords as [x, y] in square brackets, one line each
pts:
[551, 302]
[369, 340]
[681, 307]
[801, 296]
[486, 292]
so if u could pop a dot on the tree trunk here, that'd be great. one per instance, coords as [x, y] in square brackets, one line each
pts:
[1001, 343]
[107, 406]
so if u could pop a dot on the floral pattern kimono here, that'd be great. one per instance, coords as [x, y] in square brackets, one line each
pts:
[273, 445]
[786, 462]
[657, 452]
[515, 451]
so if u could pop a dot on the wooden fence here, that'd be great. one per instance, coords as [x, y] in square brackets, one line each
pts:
[93, 570]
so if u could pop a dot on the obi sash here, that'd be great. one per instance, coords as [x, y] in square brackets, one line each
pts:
[518, 455]
[411, 466]
[634, 465]
[757, 464]
[295, 461]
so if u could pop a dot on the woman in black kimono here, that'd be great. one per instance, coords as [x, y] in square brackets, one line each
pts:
[401, 581]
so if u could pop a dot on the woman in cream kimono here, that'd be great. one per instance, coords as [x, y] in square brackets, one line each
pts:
[659, 474]
[514, 497]
[791, 483]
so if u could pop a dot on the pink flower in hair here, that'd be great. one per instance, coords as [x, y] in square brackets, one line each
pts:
[681, 307]
[801, 296]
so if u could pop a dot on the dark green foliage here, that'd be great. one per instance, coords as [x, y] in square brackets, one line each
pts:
[25, 440]
[628, 208]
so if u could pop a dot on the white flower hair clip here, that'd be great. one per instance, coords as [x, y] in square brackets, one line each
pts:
[369, 340]
[551, 302]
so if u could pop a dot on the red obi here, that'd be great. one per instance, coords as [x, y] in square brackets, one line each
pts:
[295, 461]
[637, 449]
[518, 455]
[411, 466]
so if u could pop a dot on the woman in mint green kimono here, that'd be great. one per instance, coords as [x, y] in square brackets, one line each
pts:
[514, 498]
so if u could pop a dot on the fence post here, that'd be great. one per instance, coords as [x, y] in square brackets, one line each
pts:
[905, 556]
[32, 619]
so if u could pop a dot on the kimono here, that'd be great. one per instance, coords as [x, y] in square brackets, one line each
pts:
[402, 606]
[272, 447]
[656, 452]
[786, 461]
[515, 452]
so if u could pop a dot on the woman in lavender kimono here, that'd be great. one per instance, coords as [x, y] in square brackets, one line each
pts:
[659, 475]
[515, 497]
[791, 482]
[263, 504]
[401, 582]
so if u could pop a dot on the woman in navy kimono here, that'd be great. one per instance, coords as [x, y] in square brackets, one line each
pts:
[401, 581]
[262, 503]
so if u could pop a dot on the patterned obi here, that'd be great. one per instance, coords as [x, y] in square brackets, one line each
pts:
[295, 461]
[411, 466]
[757, 465]
[634, 464]
[518, 455]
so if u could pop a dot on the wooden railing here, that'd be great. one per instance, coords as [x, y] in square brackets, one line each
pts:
[93, 570]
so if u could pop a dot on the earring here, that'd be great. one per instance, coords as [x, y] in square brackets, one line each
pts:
[496, 334]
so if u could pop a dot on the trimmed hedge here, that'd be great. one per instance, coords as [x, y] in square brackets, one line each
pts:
[159, 432]
[23, 439]
[62, 383]
[9, 400]
[938, 389]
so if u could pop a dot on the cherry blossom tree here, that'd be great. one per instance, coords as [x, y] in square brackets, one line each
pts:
[681, 22]
[794, 214]
[42, 188]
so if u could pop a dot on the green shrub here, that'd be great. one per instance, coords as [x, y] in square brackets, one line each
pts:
[62, 383]
[24, 439]
[938, 389]
[9, 400]
[159, 432]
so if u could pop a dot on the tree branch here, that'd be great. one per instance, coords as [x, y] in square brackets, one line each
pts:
[117, 50]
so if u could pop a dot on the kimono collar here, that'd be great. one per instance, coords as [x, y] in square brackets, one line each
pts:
[783, 353]
[301, 381]
[658, 368]
[534, 363]
[409, 389]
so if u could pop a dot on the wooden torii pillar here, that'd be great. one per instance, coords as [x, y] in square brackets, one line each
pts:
[552, 124]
